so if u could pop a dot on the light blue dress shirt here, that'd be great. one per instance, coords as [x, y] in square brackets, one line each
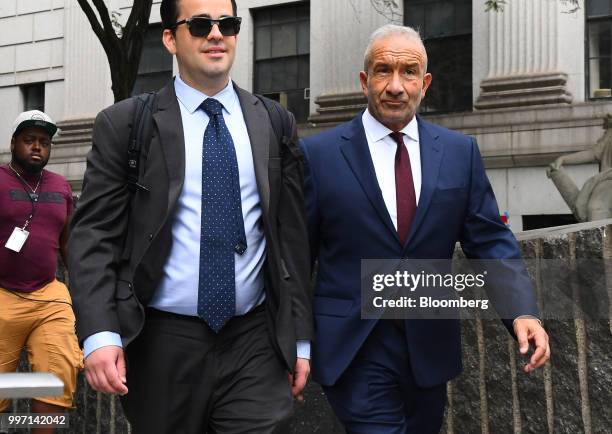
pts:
[178, 289]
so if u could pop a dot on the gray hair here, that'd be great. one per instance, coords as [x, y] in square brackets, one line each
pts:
[389, 30]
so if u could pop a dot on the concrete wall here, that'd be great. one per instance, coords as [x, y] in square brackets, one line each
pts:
[31, 51]
[571, 50]
[516, 193]
[51, 41]
[11, 98]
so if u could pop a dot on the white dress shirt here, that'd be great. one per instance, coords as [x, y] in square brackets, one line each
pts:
[178, 289]
[383, 149]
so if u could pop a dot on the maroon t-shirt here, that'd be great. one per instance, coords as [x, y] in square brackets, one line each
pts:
[35, 265]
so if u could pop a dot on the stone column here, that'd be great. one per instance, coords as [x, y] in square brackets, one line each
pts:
[339, 33]
[87, 74]
[532, 53]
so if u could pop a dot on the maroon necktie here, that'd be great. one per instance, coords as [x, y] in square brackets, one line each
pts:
[404, 188]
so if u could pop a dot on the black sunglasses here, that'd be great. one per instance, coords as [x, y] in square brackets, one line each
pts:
[201, 26]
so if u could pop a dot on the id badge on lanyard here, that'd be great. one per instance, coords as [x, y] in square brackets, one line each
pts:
[20, 235]
[17, 239]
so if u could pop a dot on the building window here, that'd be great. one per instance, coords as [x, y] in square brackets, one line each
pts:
[599, 48]
[33, 96]
[446, 29]
[282, 56]
[155, 68]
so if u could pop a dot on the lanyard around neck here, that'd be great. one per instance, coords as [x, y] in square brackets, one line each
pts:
[32, 194]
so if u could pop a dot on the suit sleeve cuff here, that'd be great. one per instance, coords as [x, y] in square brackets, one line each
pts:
[99, 340]
[303, 349]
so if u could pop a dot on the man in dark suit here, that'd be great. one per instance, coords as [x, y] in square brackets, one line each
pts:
[201, 275]
[389, 185]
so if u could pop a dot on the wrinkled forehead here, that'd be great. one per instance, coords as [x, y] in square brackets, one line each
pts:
[398, 49]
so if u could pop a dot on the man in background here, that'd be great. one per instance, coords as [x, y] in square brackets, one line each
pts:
[35, 308]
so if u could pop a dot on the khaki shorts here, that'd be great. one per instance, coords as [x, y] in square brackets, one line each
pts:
[47, 329]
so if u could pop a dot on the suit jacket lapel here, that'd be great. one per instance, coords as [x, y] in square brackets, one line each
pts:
[172, 140]
[357, 154]
[431, 157]
[258, 127]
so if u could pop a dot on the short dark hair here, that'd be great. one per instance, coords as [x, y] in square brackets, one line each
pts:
[169, 10]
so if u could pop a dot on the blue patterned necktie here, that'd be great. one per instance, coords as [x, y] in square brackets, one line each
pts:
[222, 231]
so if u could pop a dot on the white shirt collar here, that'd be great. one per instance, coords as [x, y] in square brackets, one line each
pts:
[192, 98]
[377, 131]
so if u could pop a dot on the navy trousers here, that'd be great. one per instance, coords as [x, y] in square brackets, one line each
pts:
[377, 393]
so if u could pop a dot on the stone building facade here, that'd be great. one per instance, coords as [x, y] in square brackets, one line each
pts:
[530, 83]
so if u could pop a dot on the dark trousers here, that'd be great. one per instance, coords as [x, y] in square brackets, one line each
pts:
[184, 378]
[377, 393]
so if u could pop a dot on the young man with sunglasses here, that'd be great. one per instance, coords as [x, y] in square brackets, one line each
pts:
[191, 293]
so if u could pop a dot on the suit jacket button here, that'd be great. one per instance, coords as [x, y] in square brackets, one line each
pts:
[150, 237]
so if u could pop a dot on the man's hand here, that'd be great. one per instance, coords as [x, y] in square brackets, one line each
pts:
[529, 330]
[105, 370]
[298, 380]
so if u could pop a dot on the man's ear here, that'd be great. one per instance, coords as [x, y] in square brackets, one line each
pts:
[13, 144]
[363, 80]
[426, 82]
[169, 40]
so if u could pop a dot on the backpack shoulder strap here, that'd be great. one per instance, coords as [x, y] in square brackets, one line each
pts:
[282, 126]
[278, 117]
[140, 134]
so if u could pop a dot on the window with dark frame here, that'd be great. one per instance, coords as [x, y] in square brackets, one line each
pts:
[33, 96]
[155, 67]
[446, 29]
[282, 56]
[599, 48]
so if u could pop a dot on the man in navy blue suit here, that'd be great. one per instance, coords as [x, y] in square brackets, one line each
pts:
[389, 185]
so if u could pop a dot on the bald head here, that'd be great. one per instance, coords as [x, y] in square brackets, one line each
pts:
[392, 30]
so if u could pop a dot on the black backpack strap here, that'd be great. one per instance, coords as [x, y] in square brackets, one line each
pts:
[281, 124]
[278, 117]
[140, 134]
